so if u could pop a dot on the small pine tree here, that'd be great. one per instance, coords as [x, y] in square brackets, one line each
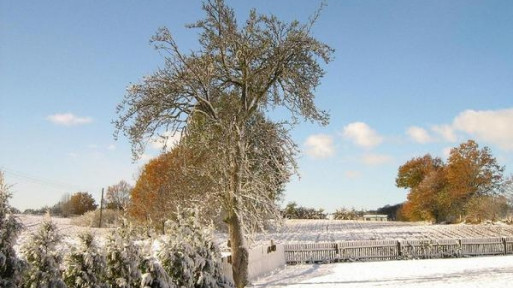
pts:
[154, 275]
[190, 256]
[85, 264]
[10, 227]
[43, 258]
[123, 259]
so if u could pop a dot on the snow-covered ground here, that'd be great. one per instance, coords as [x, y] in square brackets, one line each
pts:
[463, 272]
[66, 228]
[496, 271]
[68, 231]
[294, 231]
[309, 231]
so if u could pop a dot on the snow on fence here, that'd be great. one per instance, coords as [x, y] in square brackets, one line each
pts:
[262, 260]
[485, 246]
[426, 249]
[395, 250]
[310, 252]
[367, 250]
[508, 244]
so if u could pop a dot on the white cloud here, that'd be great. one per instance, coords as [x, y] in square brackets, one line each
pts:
[111, 147]
[68, 119]
[352, 174]
[166, 140]
[446, 152]
[320, 146]
[493, 126]
[446, 132]
[376, 159]
[362, 135]
[419, 134]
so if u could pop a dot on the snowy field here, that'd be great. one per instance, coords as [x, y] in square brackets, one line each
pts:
[66, 228]
[68, 231]
[308, 231]
[496, 271]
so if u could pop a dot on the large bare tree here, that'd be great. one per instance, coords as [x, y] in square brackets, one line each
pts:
[218, 96]
[118, 195]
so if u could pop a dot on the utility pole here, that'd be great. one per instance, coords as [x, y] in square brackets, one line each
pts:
[101, 210]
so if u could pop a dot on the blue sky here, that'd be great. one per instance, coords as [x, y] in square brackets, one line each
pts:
[408, 78]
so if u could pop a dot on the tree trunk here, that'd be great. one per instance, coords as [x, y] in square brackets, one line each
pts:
[240, 254]
[239, 249]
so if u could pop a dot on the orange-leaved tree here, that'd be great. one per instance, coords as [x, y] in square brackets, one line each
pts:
[424, 177]
[81, 202]
[167, 184]
[447, 192]
[472, 173]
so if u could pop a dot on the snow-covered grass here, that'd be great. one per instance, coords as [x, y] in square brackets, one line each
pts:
[496, 271]
[309, 231]
[65, 225]
[69, 231]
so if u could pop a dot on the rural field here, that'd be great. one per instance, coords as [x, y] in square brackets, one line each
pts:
[314, 231]
[308, 231]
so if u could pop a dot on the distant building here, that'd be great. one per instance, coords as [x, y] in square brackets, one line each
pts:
[375, 217]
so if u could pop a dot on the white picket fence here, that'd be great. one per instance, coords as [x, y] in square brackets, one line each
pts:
[396, 250]
[262, 260]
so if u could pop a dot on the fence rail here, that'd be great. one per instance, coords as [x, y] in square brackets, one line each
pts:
[367, 250]
[375, 250]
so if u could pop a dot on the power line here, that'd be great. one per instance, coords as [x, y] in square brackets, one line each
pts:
[39, 180]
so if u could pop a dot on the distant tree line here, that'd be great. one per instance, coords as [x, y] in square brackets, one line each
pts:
[70, 205]
[78, 203]
[294, 211]
[348, 214]
[391, 211]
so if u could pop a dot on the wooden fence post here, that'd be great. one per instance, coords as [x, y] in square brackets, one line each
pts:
[101, 210]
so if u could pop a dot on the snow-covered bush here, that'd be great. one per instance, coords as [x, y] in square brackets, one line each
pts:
[110, 218]
[154, 275]
[85, 264]
[43, 258]
[10, 227]
[123, 259]
[190, 256]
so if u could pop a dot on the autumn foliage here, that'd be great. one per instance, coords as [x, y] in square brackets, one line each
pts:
[466, 187]
[167, 183]
[77, 204]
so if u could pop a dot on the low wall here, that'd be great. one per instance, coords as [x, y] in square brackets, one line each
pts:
[262, 260]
